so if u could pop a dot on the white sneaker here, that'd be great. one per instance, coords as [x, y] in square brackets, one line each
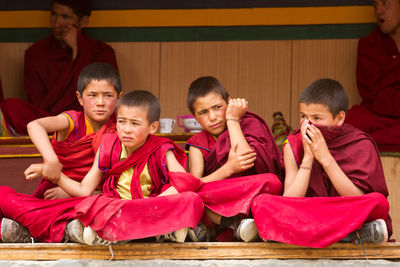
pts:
[74, 231]
[247, 230]
[91, 238]
[178, 236]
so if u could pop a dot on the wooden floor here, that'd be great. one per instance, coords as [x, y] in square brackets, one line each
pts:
[200, 251]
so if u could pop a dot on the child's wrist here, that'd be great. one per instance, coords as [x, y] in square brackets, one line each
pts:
[233, 119]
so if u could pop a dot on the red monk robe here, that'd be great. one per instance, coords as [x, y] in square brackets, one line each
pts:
[51, 77]
[378, 81]
[323, 217]
[231, 197]
[113, 218]
[76, 153]
[140, 217]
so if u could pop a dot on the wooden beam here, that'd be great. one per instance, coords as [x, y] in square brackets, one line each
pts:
[229, 250]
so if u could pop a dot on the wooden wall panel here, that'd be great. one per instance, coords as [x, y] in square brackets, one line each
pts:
[314, 59]
[139, 65]
[265, 76]
[183, 62]
[391, 167]
[12, 69]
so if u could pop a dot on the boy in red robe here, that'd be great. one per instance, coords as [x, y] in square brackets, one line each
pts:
[137, 170]
[378, 79]
[52, 66]
[77, 133]
[235, 144]
[334, 185]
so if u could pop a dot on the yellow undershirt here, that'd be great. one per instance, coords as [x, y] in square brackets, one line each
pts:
[125, 180]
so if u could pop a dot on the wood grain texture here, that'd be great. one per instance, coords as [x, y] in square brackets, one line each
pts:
[391, 167]
[223, 250]
[183, 62]
[315, 59]
[12, 69]
[265, 77]
[139, 65]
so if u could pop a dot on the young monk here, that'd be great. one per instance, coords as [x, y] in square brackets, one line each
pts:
[77, 134]
[234, 143]
[137, 170]
[334, 184]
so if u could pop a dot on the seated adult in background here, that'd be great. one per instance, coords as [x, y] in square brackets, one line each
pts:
[378, 79]
[53, 65]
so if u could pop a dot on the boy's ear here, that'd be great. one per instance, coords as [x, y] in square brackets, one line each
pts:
[83, 22]
[120, 94]
[340, 117]
[79, 96]
[154, 127]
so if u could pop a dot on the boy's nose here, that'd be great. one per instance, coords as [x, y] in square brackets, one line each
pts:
[100, 100]
[211, 115]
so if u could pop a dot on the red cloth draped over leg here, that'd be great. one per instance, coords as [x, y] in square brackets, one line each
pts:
[316, 222]
[18, 113]
[117, 219]
[45, 219]
[233, 196]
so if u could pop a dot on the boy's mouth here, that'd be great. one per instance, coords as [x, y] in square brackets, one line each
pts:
[216, 125]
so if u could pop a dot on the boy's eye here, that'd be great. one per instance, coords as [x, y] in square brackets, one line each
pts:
[218, 107]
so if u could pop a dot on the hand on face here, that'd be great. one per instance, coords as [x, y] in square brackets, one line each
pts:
[236, 108]
[315, 142]
[70, 36]
[239, 162]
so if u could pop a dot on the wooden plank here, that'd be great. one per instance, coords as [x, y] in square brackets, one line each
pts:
[139, 65]
[12, 69]
[264, 77]
[391, 167]
[229, 250]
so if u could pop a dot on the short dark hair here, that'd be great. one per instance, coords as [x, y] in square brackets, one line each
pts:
[326, 92]
[81, 8]
[203, 86]
[144, 99]
[99, 71]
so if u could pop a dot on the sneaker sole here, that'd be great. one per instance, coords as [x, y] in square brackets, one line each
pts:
[181, 234]
[385, 231]
[248, 230]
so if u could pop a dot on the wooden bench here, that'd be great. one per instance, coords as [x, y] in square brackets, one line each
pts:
[192, 251]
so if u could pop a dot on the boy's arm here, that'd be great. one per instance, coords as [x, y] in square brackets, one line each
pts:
[173, 166]
[237, 162]
[87, 186]
[196, 162]
[296, 179]
[343, 185]
[38, 132]
[235, 111]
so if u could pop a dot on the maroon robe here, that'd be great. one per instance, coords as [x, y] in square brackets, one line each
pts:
[113, 218]
[76, 153]
[378, 82]
[231, 197]
[323, 217]
[51, 77]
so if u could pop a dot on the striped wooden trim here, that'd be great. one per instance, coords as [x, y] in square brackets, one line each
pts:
[182, 34]
[8, 156]
[182, 4]
[202, 17]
